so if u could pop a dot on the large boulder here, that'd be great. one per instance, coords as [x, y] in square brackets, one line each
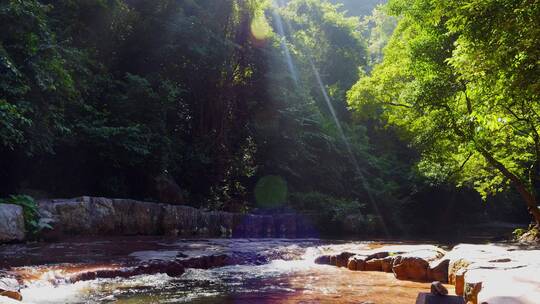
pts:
[495, 273]
[84, 215]
[410, 268]
[438, 270]
[11, 223]
[342, 259]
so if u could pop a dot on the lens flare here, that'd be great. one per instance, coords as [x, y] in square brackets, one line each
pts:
[260, 29]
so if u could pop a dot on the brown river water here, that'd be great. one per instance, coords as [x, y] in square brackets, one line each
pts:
[270, 271]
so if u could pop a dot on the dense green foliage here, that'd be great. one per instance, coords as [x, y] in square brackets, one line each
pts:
[462, 79]
[242, 105]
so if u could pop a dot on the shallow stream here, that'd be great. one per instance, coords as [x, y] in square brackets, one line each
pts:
[269, 271]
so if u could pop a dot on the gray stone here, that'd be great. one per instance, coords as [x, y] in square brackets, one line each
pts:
[104, 216]
[11, 223]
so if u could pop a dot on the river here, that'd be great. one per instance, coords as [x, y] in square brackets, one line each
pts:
[268, 271]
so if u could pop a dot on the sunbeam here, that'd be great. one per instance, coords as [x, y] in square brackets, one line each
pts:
[293, 71]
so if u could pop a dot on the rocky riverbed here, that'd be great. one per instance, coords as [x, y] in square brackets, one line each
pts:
[173, 270]
[103, 250]
[157, 270]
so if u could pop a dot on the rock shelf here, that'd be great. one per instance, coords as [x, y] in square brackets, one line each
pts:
[493, 274]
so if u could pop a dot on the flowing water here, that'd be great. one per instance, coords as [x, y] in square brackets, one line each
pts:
[269, 271]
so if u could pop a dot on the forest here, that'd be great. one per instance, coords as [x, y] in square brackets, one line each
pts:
[270, 151]
[410, 118]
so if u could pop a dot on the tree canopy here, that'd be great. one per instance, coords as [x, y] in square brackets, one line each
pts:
[461, 78]
[245, 105]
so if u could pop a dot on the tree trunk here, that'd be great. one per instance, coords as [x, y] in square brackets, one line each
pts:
[521, 187]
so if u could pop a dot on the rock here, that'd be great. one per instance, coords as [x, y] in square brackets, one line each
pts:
[505, 273]
[351, 265]
[11, 223]
[342, 259]
[437, 288]
[138, 218]
[459, 281]
[209, 261]
[377, 255]
[323, 260]
[531, 237]
[386, 264]
[10, 288]
[428, 298]
[180, 220]
[102, 216]
[333, 260]
[504, 286]
[85, 215]
[15, 295]
[458, 265]
[471, 292]
[171, 268]
[356, 263]
[410, 268]
[373, 265]
[438, 270]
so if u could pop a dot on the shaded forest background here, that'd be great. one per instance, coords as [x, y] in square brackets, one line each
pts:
[216, 104]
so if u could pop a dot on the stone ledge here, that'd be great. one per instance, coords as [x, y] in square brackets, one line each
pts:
[495, 273]
[91, 216]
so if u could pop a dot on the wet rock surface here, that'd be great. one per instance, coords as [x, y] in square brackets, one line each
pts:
[408, 262]
[496, 273]
[164, 270]
[287, 271]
